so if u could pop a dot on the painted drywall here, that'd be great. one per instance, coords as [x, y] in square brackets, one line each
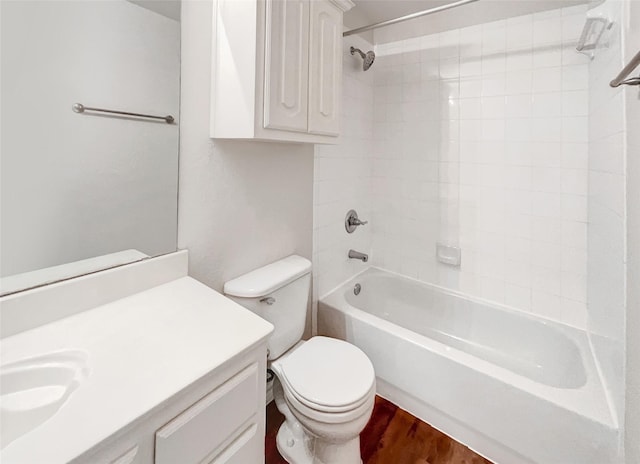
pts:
[78, 186]
[241, 204]
[632, 101]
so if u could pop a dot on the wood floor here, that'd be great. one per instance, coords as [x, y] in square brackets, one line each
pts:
[392, 436]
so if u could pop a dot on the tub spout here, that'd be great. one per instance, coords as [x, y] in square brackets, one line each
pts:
[357, 255]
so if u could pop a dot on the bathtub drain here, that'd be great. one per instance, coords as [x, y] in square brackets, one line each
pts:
[356, 289]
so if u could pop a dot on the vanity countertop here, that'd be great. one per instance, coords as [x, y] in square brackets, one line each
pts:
[142, 350]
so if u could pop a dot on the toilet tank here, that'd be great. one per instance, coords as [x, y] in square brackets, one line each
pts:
[279, 293]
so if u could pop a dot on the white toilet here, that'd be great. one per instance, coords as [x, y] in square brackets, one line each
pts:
[325, 387]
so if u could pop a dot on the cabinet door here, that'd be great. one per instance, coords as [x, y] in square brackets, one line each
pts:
[286, 65]
[217, 428]
[325, 79]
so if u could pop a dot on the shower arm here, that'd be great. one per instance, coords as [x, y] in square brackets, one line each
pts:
[401, 19]
[360, 52]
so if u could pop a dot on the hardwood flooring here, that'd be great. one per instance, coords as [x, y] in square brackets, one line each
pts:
[392, 436]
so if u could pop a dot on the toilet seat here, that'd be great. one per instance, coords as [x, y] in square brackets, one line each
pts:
[327, 376]
[327, 416]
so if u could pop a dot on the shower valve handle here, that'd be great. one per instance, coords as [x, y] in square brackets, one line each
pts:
[351, 221]
[354, 221]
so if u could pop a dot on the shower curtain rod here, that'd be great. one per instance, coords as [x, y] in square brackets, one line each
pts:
[401, 19]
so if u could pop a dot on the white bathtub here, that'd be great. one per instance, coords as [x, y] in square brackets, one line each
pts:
[514, 387]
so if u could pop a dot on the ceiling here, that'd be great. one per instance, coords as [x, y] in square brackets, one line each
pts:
[167, 8]
[373, 11]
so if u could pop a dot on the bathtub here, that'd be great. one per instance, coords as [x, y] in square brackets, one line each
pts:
[514, 387]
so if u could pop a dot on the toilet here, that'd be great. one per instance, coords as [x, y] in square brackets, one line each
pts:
[324, 387]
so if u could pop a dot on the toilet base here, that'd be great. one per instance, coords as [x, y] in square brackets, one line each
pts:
[292, 448]
[304, 450]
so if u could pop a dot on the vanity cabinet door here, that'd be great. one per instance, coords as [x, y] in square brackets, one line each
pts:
[220, 428]
[325, 68]
[286, 65]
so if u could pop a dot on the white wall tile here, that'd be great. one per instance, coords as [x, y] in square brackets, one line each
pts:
[575, 103]
[518, 60]
[548, 79]
[546, 30]
[476, 137]
[519, 33]
[575, 77]
[519, 82]
[606, 205]
[343, 172]
[547, 105]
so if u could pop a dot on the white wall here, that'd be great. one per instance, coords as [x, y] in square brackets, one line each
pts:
[241, 204]
[342, 178]
[606, 270]
[78, 186]
[632, 101]
[481, 142]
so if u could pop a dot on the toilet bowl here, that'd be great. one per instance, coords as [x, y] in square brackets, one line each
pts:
[326, 390]
[324, 387]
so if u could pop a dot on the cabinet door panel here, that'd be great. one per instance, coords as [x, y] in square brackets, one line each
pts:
[325, 68]
[204, 428]
[286, 65]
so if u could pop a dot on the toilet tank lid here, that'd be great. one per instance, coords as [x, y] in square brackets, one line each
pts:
[269, 278]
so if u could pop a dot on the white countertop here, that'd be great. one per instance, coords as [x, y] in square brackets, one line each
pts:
[142, 350]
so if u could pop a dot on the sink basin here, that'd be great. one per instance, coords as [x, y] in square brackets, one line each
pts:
[34, 389]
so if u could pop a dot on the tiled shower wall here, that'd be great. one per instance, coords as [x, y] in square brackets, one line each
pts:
[607, 182]
[632, 349]
[342, 179]
[480, 141]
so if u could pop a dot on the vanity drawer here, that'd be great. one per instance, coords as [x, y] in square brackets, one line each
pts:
[216, 424]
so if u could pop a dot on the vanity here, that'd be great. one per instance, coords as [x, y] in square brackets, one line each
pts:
[136, 364]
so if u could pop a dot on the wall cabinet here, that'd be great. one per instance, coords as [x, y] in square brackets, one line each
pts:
[325, 71]
[277, 69]
[286, 76]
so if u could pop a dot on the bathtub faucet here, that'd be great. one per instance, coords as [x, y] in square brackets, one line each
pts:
[357, 255]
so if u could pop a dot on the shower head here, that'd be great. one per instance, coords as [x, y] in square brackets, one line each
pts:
[368, 58]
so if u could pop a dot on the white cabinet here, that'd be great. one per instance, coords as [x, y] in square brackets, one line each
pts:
[325, 70]
[215, 428]
[277, 69]
[220, 419]
[286, 77]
